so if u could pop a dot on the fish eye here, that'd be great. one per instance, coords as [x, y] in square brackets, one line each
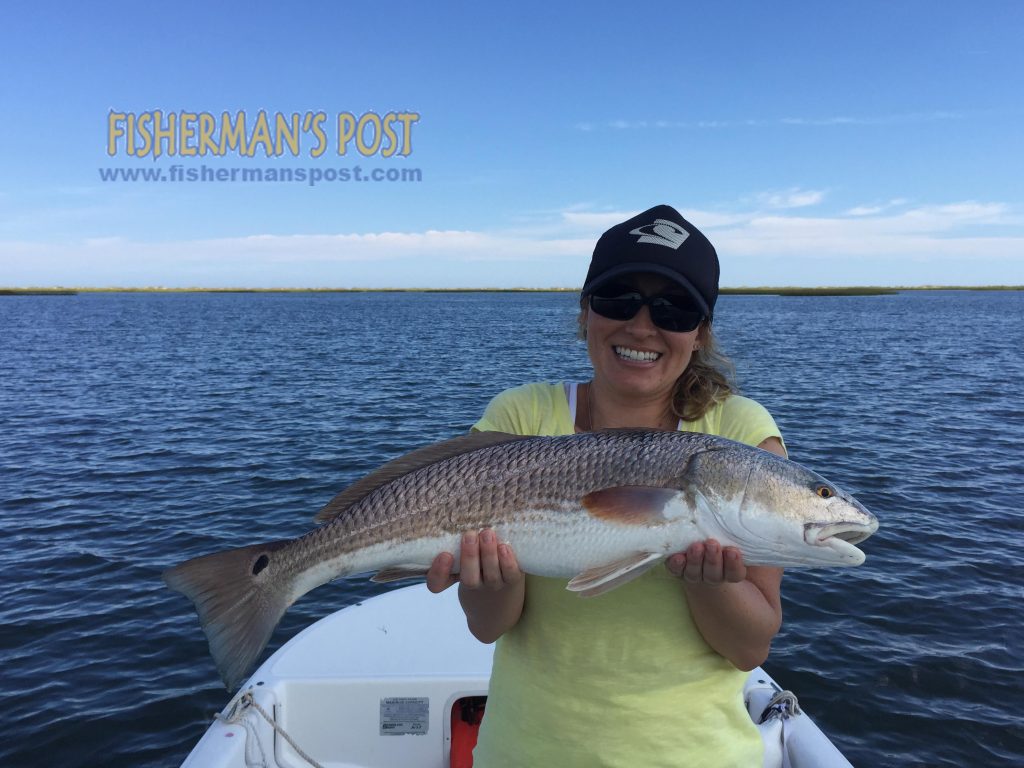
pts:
[824, 491]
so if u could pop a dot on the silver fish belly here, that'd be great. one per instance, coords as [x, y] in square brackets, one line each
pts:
[597, 508]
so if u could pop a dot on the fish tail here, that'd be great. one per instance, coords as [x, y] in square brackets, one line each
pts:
[240, 596]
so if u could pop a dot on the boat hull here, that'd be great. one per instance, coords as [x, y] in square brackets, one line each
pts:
[374, 686]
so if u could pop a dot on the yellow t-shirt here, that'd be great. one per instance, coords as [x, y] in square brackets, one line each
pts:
[624, 679]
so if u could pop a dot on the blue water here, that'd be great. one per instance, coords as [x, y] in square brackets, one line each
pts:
[141, 429]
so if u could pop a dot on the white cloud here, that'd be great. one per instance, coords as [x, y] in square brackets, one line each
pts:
[621, 125]
[712, 220]
[765, 244]
[864, 210]
[904, 117]
[873, 208]
[598, 222]
[791, 198]
[762, 122]
[931, 233]
[432, 258]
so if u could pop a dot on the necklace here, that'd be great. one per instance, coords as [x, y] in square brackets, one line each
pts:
[589, 424]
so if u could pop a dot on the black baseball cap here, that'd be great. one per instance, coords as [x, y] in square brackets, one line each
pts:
[661, 241]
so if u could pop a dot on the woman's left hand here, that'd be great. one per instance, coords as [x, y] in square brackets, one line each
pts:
[708, 562]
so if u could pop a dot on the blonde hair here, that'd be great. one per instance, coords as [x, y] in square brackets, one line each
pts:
[709, 378]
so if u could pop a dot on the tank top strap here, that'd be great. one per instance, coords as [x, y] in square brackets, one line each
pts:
[571, 388]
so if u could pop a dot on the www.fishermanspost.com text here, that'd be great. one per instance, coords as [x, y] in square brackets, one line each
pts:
[175, 174]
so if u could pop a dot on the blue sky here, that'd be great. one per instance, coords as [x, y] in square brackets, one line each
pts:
[815, 144]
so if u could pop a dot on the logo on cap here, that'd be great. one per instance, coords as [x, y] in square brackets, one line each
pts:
[661, 232]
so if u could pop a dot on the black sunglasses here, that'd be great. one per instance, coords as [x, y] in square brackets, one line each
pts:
[670, 313]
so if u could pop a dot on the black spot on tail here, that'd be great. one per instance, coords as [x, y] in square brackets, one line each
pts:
[261, 562]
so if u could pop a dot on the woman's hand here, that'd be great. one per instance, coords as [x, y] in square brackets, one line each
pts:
[738, 610]
[484, 563]
[707, 562]
[492, 589]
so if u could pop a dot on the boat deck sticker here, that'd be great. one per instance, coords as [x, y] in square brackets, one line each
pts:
[400, 715]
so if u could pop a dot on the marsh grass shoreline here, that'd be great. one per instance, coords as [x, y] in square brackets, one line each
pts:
[865, 290]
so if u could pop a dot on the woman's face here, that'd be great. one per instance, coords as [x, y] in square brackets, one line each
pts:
[634, 357]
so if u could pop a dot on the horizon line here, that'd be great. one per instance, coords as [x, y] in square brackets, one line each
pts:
[14, 290]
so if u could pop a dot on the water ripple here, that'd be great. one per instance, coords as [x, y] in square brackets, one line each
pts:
[143, 429]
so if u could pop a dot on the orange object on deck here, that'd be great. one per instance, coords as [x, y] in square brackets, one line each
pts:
[467, 714]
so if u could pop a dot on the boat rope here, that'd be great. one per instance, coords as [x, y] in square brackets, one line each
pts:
[783, 705]
[237, 715]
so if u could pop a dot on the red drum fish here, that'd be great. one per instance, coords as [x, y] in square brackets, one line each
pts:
[597, 508]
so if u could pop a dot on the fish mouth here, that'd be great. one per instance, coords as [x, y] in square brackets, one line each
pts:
[841, 537]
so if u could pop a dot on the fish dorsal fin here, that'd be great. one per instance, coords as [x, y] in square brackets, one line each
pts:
[410, 462]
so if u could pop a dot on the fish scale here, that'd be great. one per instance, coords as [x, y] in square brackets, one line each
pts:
[599, 507]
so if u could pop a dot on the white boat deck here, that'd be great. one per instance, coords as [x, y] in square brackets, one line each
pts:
[372, 686]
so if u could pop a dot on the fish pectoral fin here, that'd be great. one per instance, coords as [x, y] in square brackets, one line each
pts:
[400, 572]
[630, 504]
[604, 578]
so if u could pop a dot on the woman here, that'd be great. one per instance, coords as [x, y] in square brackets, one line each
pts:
[650, 674]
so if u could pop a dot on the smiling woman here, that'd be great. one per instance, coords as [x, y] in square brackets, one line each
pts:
[635, 360]
[651, 673]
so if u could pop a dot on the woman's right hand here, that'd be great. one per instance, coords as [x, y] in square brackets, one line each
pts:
[492, 589]
[484, 563]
